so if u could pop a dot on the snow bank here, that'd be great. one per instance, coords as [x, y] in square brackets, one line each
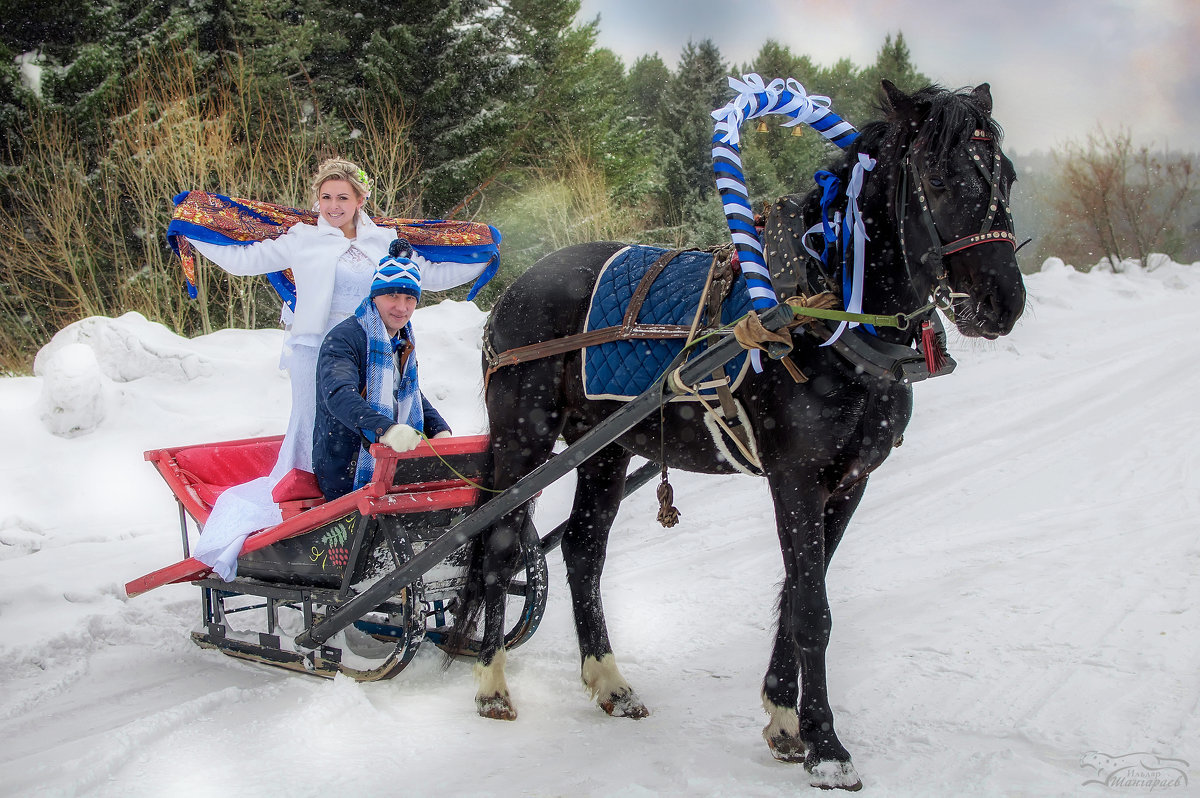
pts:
[1017, 590]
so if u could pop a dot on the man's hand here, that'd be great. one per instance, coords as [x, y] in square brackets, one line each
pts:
[443, 434]
[400, 438]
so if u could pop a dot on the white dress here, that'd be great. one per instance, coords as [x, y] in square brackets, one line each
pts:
[241, 509]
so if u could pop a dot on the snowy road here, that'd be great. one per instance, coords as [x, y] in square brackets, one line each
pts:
[1019, 588]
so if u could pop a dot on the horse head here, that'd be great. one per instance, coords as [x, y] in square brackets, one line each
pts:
[950, 182]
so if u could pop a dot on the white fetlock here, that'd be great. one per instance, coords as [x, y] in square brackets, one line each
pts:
[491, 696]
[782, 732]
[608, 687]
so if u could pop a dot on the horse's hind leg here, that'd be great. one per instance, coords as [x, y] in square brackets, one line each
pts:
[524, 422]
[795, 692]
[601, 481]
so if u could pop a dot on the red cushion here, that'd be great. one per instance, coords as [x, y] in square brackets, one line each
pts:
[296, 485]
[221, 466]
[208, 493]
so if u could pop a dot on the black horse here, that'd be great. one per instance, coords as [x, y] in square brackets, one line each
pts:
[938, 227]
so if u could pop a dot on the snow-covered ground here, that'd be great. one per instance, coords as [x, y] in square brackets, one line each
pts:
[1018, 590]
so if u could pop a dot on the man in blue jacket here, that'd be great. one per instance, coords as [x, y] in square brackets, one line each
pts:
[367, 388]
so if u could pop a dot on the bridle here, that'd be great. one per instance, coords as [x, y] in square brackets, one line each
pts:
[942, 295]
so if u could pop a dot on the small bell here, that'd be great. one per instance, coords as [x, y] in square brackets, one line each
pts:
[762, 127]
[797, 131]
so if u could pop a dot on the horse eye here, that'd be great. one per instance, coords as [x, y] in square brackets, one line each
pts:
[937, 182]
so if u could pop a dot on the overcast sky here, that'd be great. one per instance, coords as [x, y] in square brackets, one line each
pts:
[1057, 68]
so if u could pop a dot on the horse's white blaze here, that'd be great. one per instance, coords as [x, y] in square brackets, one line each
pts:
[602, 679]
[784, 721]
[490, 678]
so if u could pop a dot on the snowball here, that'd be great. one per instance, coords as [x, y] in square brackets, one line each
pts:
[72, 399]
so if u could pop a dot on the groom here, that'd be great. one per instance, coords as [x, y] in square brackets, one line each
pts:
[367, 389]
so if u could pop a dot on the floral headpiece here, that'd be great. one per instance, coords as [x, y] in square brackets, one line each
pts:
[361, 176]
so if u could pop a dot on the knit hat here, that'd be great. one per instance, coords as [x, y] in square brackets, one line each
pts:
[397, 274]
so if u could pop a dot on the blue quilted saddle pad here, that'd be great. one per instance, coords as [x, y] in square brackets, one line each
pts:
[623, 369]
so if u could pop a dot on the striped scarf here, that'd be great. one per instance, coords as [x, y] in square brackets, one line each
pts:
[398, 399]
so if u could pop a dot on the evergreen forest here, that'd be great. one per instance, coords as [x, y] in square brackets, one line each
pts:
[506, 113]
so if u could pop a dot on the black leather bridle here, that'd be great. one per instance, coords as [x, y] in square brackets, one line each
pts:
[941, 293]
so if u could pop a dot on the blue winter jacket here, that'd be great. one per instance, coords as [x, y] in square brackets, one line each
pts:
[345, 422]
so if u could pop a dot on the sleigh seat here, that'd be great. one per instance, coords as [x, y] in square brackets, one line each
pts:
[212, 469]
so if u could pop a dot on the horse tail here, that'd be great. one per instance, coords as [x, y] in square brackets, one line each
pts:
[468, 605]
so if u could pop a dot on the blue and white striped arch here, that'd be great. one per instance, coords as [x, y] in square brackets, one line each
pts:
[754, 99]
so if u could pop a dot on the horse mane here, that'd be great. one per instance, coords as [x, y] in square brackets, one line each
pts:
[951, 116]
[948, 118]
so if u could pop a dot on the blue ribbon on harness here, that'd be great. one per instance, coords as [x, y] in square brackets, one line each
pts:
[830, 185]
[852, 232]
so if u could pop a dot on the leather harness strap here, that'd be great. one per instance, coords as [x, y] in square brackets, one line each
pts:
[643, 289]
[720, 281]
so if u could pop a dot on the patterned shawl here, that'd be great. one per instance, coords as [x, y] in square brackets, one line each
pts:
[217, 219]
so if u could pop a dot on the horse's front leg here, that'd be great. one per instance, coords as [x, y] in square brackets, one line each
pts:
[601, 481]
[795, 691]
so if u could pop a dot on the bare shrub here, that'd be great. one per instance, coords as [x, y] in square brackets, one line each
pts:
[83, 234]
[1114, 200]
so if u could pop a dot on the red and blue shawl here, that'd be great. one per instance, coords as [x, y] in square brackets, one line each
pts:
[221, 220]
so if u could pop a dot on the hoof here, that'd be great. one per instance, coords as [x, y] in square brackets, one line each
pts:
[624, 704]
[787, 748]
[496, 707]
[833, 775]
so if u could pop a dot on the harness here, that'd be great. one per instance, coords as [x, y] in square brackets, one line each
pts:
[629, 328]
[869, 353]
[884, 359]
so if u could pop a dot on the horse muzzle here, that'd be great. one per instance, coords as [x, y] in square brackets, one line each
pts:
[995, 301]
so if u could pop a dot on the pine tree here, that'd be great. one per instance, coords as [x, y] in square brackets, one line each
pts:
[699, 87]
[782, 160]
[15, 100]
[552, 78]
[894, 62]
[448, 64]
[648, 86]
[649, 83]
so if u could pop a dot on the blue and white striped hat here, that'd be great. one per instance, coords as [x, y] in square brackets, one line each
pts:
[396, 273]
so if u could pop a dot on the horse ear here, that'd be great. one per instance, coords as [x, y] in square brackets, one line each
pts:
[897, 102]
[982, 95]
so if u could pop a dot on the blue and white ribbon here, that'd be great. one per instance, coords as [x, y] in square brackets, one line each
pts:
[853, 234]
[754, 99]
